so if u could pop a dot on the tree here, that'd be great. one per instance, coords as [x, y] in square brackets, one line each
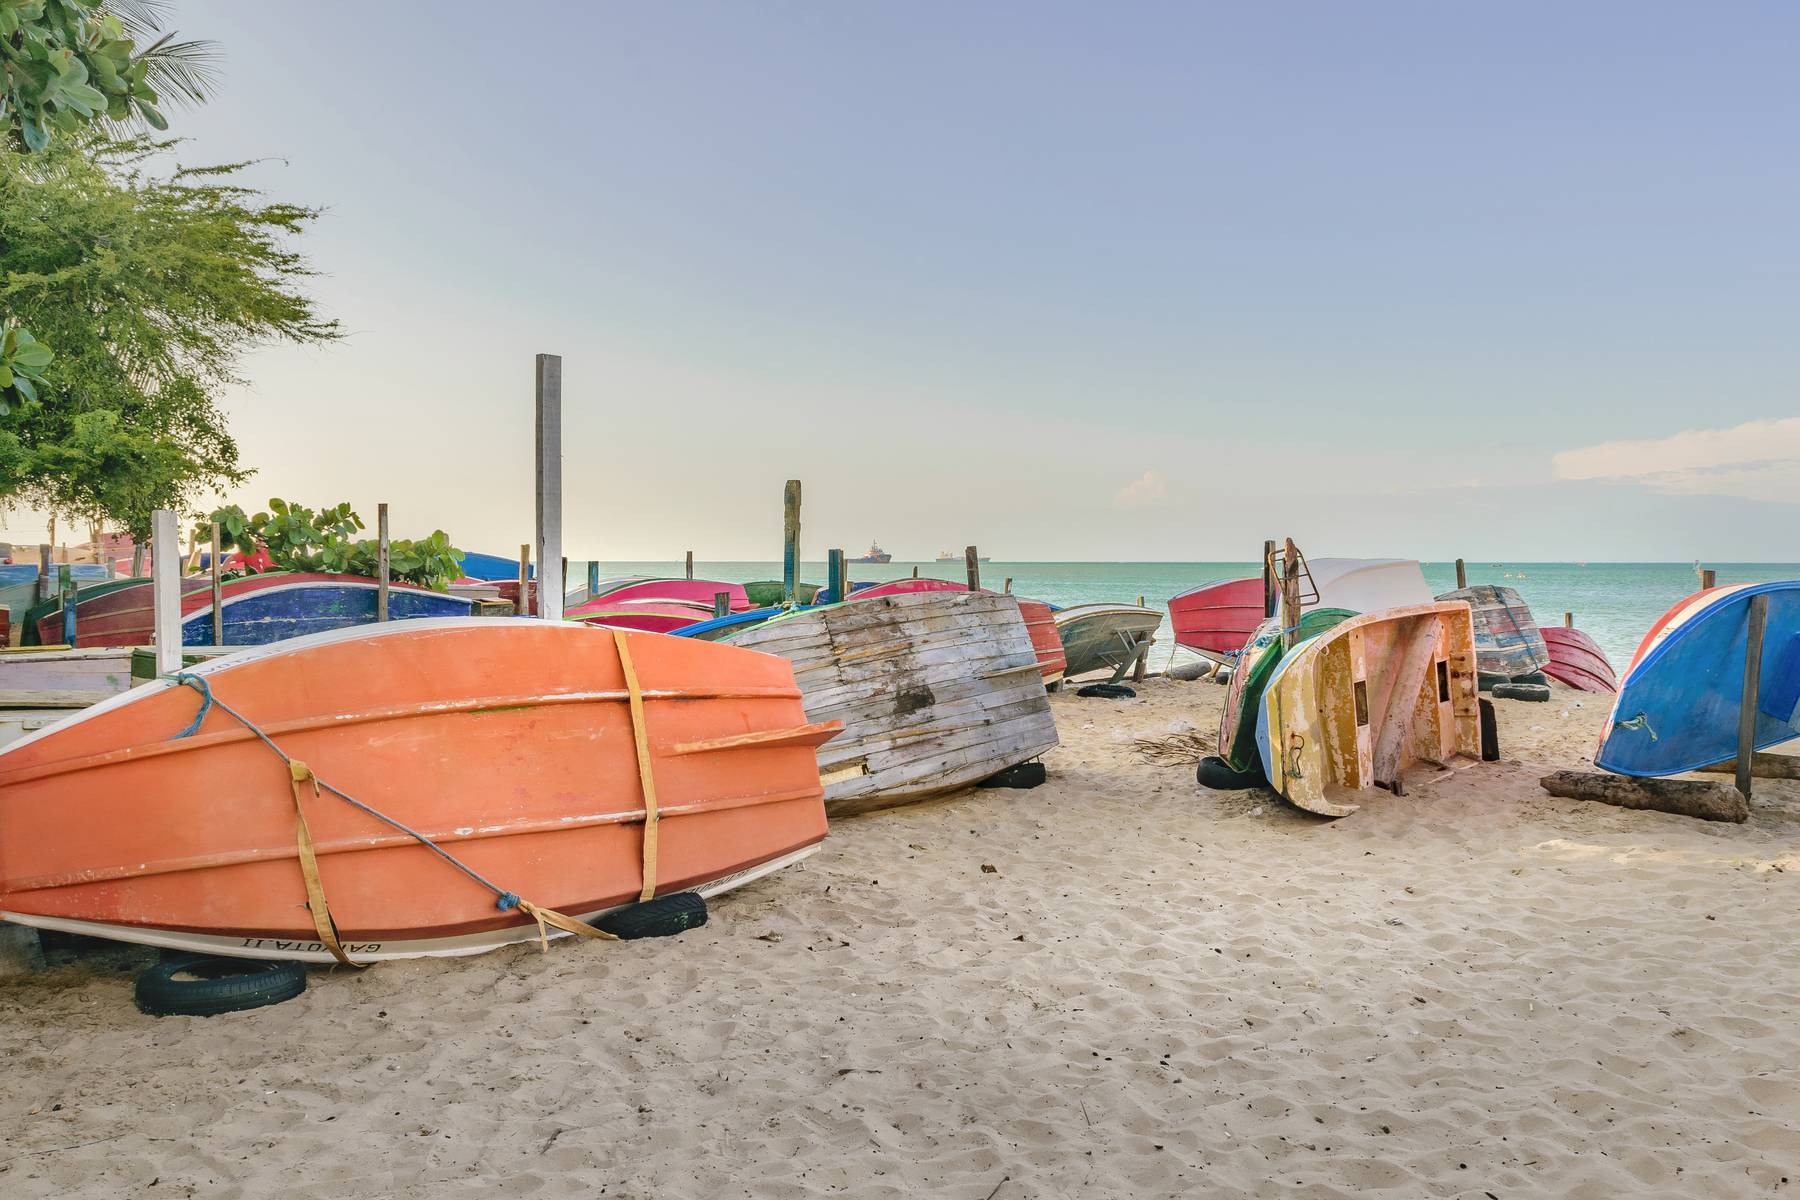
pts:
[149, 287]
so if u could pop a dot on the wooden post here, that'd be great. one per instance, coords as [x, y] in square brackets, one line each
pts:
[593, 580]
[1568, 620]
[549, 486]
[1753, 653]
[382, 547]
[1007, 590]
[1709, 578]
[690, 564]
[218, 606]
[915, 572]
[1143, 658]
[1462, 575]
[1270, 590]
[165, 590]
[1290, 595]
[837, 576]
[65, 587]
[721, 604]
[137, 558]
[790, 541]
[972, 562]
[523, 605]
[46, 586]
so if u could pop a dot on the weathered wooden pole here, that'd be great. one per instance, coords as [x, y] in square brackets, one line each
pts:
[549, 486]
[1568, 620]
[382, 548]
[1753, 653]
[690, 564]
[218, 606]
[593, 580]
[523, 605]
[790, 541]
[46, 584]
[65, 586]
[1270, 588]
[137, 558]
[1708, 578]
[721, 604]
[837, 577]
[915, 572]
[165, 590]
[1462, 575]
[972, 564]
[1007, 590]
[1290, 595]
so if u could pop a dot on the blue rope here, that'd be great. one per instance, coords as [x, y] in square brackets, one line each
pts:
[507, 900]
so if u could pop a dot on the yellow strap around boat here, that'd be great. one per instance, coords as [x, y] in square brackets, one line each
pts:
[646, 776]
[299, 773]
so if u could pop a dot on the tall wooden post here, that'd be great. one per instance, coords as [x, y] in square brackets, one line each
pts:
[382, 547]
[837, 576]
[721, 604]
[137, 558]
[1462, 575]
[1753, 653]
[593, 580]
[1709, 578]
[690, 564]
[218, 597]
[790, 541]
[46, 584]
[972, 564]
[549, 486]
[1271, 586]
[915, 572]
[1290, 595]
[165, 589]
[523, 604]
[65, 586]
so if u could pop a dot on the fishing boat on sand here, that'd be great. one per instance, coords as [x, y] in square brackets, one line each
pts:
[1577, 660]
[1353, 707]
[1256, 662]
[936, 691]
[1105, 637]
[537, 756]
[1508, 642]
[1217, 619]
[1681, 696]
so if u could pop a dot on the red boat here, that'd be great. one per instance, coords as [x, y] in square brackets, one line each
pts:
[904, 587]
[1217, 619]
[1577, 660]
[650, 616]
[1040, 623]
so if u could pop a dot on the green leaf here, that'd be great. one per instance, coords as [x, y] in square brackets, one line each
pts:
[37, 355]
[24, 387]
[152, 117]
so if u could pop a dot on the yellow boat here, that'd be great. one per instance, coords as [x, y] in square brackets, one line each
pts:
[1355, 706]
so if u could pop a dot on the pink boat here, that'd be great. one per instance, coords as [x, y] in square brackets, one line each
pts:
[1577, 660]
[650, 616]
[901, 587]
[1216, 619]
[613, 592]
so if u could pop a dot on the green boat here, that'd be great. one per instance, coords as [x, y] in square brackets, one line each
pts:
[766, 593]
[1256, 663]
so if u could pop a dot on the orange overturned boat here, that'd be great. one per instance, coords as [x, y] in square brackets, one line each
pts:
[453, 779]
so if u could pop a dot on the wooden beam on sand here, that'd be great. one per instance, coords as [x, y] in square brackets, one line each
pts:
[1684, 797]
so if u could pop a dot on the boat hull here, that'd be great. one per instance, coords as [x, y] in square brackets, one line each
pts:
[509, 744]
[1507, 639]
[1046, 641]
[1217, 619]
[1578, 661]
[651, 616]
[1243, 695]
[1104, 637]
[1351, 708]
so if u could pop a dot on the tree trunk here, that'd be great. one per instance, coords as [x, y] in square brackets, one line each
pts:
[1683, 797]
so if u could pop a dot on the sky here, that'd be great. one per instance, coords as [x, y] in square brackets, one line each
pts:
[1111, 282]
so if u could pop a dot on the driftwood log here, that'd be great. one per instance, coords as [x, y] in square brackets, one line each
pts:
[1192, 670]
[1762, 766]
[1683, 797]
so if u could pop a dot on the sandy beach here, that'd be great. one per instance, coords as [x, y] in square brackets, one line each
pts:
[1114, 985]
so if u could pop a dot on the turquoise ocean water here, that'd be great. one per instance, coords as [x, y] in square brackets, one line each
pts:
[1613, 602]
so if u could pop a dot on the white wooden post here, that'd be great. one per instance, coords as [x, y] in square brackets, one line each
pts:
[549, 486]
[165, 590]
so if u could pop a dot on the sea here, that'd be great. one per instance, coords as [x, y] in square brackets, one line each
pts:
[1613, 602]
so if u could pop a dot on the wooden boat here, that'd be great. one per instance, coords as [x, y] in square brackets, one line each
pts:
[769, 593]
[1256, 662]
[19, 585]
[258, 609]
[613, 592]
[1507, 639]
[1046, 639]
[905, 587]
[511, 745]
[1216, 620]
[493, 567]
[1104, 637]
[720, 629]
[1352, 708]
[1680, 698]
[936, 690]
[1577, 660]
[651, 616]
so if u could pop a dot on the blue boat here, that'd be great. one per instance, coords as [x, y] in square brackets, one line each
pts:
[274, 607]
[493, 567]
[723, 627]
[1679, 700]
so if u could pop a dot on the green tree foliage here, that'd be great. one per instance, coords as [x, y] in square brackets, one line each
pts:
[149, 286]
[298, 538]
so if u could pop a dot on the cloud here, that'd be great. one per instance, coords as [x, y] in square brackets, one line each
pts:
[1758, 460]
[1146, 491]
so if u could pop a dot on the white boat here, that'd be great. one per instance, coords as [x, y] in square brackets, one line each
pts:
[1365, 585]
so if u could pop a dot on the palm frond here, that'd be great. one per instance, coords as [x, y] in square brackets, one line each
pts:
[141, 18]
[185, 72]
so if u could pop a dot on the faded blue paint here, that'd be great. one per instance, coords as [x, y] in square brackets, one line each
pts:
[493, 567]
[276, 614]
[1678, 708]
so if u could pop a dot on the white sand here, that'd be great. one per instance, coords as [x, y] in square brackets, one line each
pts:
[1473, 990]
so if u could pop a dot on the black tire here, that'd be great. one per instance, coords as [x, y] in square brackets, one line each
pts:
[1535, 677]
[664, 916]
[1486, 681]
[1025, 775]
[1535, 692]
[1215, 773]
[1108, 691]
[215, 985]
[1490, 732]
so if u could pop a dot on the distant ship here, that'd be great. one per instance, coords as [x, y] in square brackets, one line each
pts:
[959, 556]
[875, 554]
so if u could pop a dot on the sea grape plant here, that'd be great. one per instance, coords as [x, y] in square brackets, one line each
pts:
[22, 362]
[65, 64]
[298, 538]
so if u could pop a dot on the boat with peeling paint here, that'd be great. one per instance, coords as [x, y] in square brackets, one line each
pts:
[1216, 620]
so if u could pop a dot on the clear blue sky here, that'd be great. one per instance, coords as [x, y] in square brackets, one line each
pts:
[1069, 281]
